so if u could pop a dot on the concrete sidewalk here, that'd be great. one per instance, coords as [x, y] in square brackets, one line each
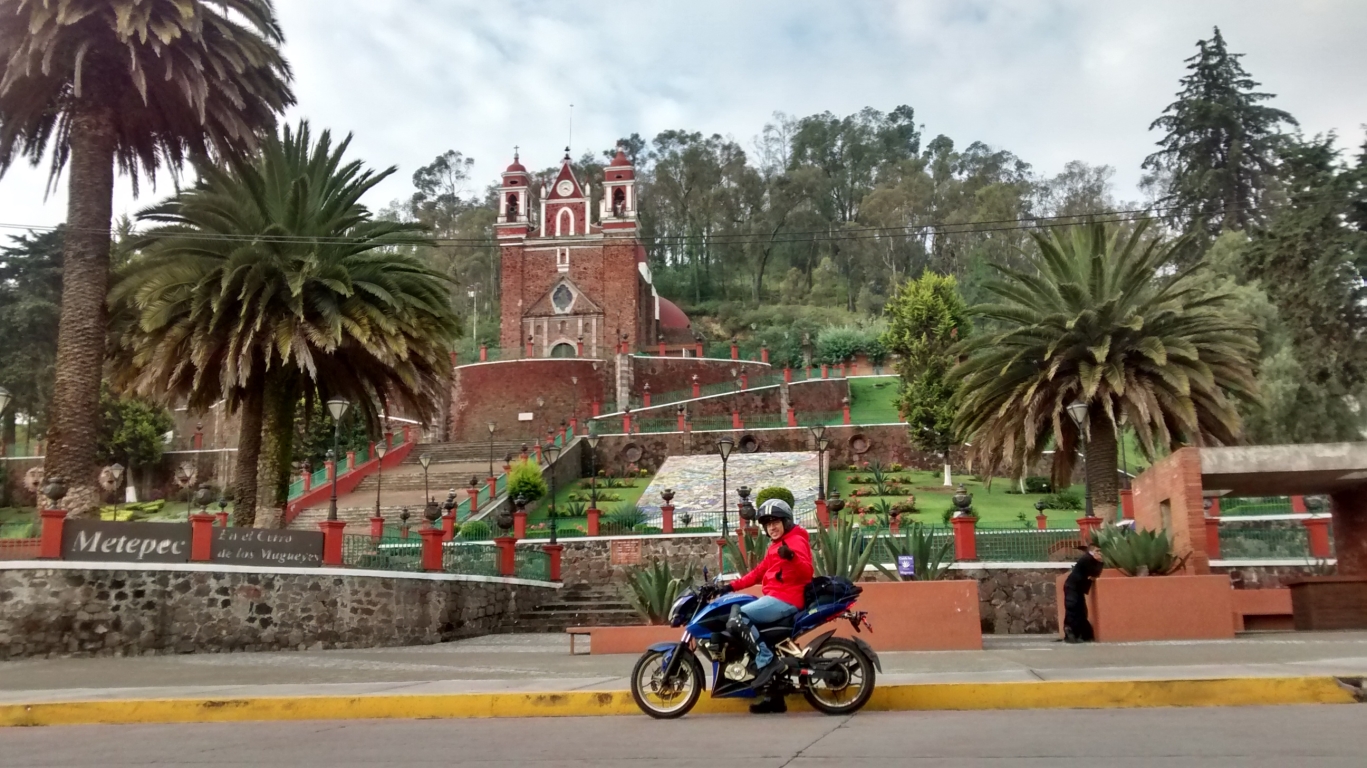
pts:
[542, 663]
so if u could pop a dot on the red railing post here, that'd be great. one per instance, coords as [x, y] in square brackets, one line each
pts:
[667, 518]
[50, 543]
[823, 515]
[697, 349]
[792, 416]
[473, 492]
[787, 375]
[965, 538]
[744, 380]
[350, 461]
[593, 515]
[645, 395]
[448, 526]
[520, 525]
[1317, 528]
[1298, 505]
[202, 537]
[484, 353]
[845, 409]
[1127, 504]
[376, 528]
[735, 350]
[1041, 521]
[332, 541]
[307, 477]
[1213, 538]
[553, 551]
[825, 371]
[697, 388]
[507, 557]
[431, 549]
[1086, 526]
[764, 353]
[735, 418]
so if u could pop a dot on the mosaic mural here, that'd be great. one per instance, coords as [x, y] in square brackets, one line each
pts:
[696, 481]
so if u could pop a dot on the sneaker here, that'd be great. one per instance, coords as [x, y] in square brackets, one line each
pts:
[769, 705]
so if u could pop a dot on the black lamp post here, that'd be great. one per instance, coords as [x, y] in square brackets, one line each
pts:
[552, 453]
[4, 481]
[337, 406]
[426, 461]
[1078, 411]
[380, 451]
[819, 434]
[724, 447]
[593, 441]
[492, 427]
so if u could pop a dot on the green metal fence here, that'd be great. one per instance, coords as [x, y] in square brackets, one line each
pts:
[531, 563]
[1256, 540]
[1255, 505]
[470, 558]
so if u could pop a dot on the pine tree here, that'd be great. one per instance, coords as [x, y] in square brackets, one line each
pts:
[1219, 151]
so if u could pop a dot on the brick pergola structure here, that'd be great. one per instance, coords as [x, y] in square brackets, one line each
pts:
[1170, 494]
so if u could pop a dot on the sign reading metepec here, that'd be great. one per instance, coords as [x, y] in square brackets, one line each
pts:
[125, 542]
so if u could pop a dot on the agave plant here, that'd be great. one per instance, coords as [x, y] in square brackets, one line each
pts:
[1137, 552]
[624, 518]
[843, 549]
[880, 477]
[746, 550]
[654, 588]
[931, 561]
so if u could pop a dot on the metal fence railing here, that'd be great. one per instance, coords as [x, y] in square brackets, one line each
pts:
[19, 541]
[472, 559]
[1256, 540]
[531, 563]
[1255, 505]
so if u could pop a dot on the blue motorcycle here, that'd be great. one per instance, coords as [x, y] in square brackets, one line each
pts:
[834, 674]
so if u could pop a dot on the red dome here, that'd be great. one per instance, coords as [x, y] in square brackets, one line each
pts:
[516, 167]
[671, 316]
[620, 159]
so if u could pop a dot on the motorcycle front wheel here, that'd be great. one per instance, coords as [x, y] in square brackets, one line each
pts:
[666, 699]
[848, 680]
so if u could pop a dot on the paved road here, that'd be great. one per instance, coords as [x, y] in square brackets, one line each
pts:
[1305, 737]
[542, 663]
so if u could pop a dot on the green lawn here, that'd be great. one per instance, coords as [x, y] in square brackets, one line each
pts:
[873, 400]
[995, 507]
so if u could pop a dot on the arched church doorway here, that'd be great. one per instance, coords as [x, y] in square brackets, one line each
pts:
[562, 350]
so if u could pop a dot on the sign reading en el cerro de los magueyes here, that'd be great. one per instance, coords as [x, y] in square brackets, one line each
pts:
[265, 546]
[125, 542]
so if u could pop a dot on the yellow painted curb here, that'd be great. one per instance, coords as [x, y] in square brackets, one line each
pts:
[1232, 692]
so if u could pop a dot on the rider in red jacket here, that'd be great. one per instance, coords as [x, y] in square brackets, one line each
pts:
[784, 573]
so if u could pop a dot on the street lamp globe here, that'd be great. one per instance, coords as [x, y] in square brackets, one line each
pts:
[725, 446]
[425, 460]
[1077, 411]
[594, 440]
[552, 453]
[381, 450]
[492, 427]
[338, 406]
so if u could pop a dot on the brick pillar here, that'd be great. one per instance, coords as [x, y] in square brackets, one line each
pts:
[554, 550]
[787, 375]
[202, 537]
[1041, 521]
[593, 514]
[519, 525]
[697, 388]
[662, 349]
[574, 424]
[332, 469]
[198, 440]
[764, 353]
[332, 541]
[735, 419]
[1298, 505]
[735, 350]
[1127, 504]
[744, 380]
[50, 541]
[845, 409]
[1318, 530]
[645, 395]
[222, 518]
[431, 549]
[1349, 509]
[1213, 538]
[697, 348]
[350, 461]
[448, 526]
[307, 477]
[681, 421]
[531, 340]
[492, 483]
[823, 514]
[965, 541]
[579, 350]
[597, 408]
[792, 416]
[507, 562]
[483, 353]
[1086, 525]
[626, 421]
[376, 528]
[536, 451]
[667, 518]
[473, 491]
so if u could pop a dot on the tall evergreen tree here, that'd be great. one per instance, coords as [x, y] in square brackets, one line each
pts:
[1219, 148]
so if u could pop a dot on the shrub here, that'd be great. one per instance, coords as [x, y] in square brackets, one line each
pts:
[524, 479]
[843, 549]
[774, 492]
[841, 343]
[475, 530]
[654, 588]
[931, 562]
[624, 519]
[1137, 553]
[1038, 485]
[1069, 499]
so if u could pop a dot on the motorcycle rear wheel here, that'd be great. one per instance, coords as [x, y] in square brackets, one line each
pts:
[661, 700]
[848, 695]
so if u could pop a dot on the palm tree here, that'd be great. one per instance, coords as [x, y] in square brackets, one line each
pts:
[269, 281]
[1103, 319]
[143, 84]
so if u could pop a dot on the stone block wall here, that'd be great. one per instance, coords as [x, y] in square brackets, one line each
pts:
[667, 374]
[95, 612]
[499, 391]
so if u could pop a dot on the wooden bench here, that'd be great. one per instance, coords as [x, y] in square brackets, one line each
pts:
[630, 639]
[575, 632]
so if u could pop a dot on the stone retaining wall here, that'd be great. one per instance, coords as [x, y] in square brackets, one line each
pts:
[97, 612]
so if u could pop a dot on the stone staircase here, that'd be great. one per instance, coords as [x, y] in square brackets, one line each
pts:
[449, 453]
[580, 605]
[357, 520]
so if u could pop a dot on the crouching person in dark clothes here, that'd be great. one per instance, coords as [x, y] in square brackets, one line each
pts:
[1076, 627]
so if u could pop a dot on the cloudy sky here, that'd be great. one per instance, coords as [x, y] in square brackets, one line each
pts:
[1051, 80]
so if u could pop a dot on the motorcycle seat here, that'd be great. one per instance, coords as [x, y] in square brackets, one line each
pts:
[775, 631]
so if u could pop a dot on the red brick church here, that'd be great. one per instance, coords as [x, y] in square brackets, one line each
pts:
[575, 284]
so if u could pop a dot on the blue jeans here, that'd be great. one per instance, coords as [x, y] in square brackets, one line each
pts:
[765, 610]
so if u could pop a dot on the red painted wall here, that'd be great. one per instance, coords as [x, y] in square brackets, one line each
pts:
[498, 392]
